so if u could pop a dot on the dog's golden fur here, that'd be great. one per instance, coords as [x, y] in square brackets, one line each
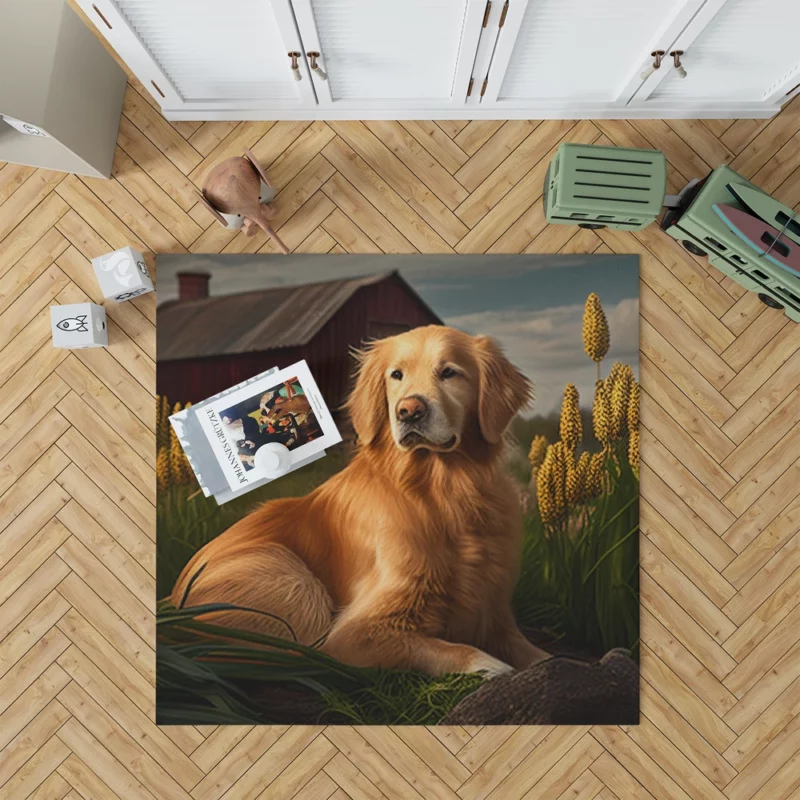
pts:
[406, 558]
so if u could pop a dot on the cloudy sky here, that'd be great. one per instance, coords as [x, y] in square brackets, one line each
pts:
[532, 304]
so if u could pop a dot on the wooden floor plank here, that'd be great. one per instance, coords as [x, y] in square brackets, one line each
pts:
[686, 666]
[159, 131]
[494, 152]
[32, 192]
[30, 231]
[377, 227]
[109, 623]
[437, 143]
[684, 412]
[30, 267]
[397, 175]
[502, 179]
[759, 606]
[116, 448]
[684, 375]
[419, 161]
[157, 202]
[687, 465]
[682, 555]
[350, 165]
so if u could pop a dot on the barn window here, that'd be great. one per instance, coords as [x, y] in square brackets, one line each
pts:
[380, 330]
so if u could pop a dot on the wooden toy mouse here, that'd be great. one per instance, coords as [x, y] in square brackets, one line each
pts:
[233, 188]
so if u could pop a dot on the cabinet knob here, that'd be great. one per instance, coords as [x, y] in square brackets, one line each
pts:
[676, 60]
[294, 65]
[312, 57]
[657, 56]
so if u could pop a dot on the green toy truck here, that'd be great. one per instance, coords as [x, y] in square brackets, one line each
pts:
[702, 232]
[598, 187]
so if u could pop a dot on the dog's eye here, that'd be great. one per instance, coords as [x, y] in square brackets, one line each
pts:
[447, 372]
[397, 375]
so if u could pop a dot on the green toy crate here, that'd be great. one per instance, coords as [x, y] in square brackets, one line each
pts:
[702, 232]
[597, 187]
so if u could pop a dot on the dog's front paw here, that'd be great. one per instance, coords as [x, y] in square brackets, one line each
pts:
[488, 665]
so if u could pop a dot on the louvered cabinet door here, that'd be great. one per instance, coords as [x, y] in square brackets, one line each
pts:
[553, 54]
[209, 54]
[734, 51]
[377, 55]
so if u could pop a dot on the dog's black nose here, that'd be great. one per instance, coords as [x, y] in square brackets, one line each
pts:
[412, 409]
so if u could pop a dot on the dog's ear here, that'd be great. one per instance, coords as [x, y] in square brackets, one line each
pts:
[502, 389]
[367, 402]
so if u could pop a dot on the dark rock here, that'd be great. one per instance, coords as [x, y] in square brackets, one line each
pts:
[559, 691]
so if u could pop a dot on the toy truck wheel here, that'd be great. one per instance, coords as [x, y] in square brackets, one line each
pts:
[592, 226]
[693, 248]
[769, 301]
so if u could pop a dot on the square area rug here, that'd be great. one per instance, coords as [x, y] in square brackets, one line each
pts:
[456, 541]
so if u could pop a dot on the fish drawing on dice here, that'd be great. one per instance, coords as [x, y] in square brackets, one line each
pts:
[78, 324]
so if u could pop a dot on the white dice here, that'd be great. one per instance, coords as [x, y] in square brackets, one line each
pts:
[79, 325]
[122, 275]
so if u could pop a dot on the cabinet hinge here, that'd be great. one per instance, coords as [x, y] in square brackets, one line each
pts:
[503, 15]
[483, 88]
[487, 12]
[469, 88]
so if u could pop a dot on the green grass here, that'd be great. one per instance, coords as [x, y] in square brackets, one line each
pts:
[580, 586]
[203, 678]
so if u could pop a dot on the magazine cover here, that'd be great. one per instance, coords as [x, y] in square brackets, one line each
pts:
[285, 408]
[466, 555]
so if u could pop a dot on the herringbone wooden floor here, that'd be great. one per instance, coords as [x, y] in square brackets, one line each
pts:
[720, 478]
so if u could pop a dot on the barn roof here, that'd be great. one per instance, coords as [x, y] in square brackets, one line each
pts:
[266, 319]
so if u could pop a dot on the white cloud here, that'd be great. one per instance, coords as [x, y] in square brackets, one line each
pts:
[547, 345]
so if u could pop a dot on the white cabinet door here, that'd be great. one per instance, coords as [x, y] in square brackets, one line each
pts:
[208, 54]
[390, 55]
[566, 53]
[735, 51]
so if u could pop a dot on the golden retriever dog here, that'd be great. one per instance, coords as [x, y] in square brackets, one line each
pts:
[407, 558]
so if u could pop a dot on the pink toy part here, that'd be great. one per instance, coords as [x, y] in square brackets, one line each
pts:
[767, 241]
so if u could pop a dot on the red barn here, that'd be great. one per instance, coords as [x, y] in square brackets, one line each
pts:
[207, 344]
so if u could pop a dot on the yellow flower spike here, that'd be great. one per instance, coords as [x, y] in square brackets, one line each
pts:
[175, 462]
[551, 484]
[601, 414]
[596, 338]
[162, 422]
[633, 408]
[544, 491]
[576, 480]
[595, 476]
[619, 395]
[614, 374]
[559, 479]
[584, 464]
[536, 454]
[163, 476]
[571, 426]
[633, 451]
